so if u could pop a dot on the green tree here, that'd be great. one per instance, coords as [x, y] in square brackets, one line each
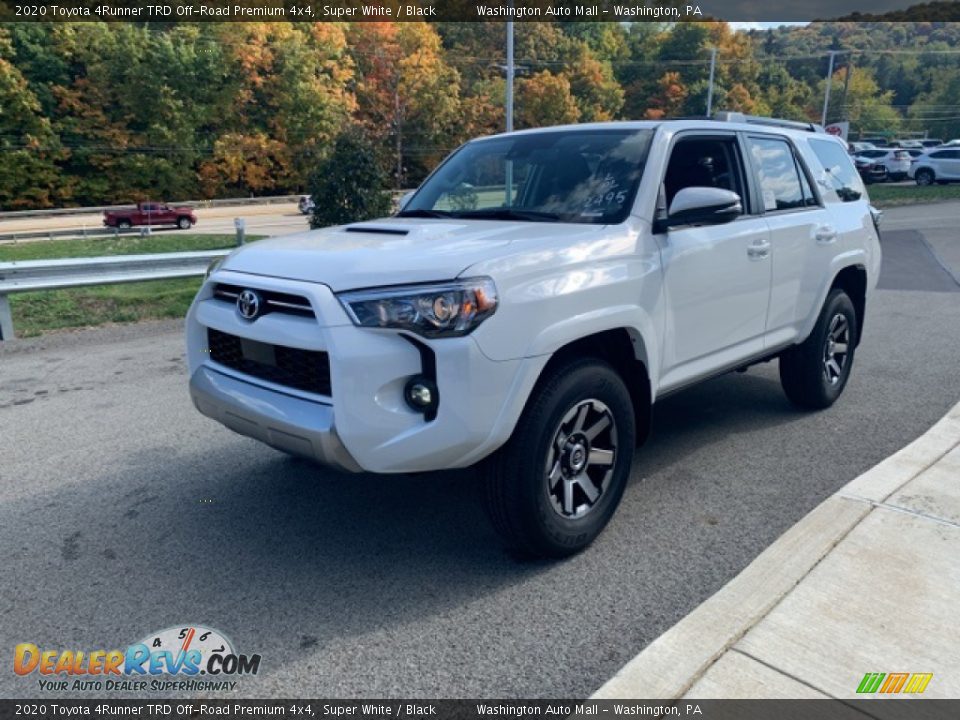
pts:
[937, 111]
[867, 107]
[350, 184]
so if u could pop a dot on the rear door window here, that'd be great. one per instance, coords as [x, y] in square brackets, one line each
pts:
[777, 174]
[841, 174]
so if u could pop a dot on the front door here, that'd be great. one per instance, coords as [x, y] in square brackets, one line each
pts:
[717, 277]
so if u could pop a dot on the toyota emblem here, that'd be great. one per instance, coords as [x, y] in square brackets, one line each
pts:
[249, 304]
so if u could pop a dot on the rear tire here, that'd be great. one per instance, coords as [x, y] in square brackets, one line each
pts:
[814, 373]
[924, 177]
[124, 224]
[557, 482]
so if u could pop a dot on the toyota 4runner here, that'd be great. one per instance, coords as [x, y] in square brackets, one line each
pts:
[533, 299]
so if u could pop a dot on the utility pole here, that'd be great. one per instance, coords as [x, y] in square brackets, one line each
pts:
[713, 68]
[399, 121]
[508, 169]
[510, 73]
[826, 95]
[844, 114]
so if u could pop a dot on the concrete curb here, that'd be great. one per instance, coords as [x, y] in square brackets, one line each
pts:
[672, 664]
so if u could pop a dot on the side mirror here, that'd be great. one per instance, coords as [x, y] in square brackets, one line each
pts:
[404, 200]
[703, 206]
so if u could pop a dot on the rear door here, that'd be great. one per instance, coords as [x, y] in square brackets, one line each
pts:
[164, 215]
[802, 234]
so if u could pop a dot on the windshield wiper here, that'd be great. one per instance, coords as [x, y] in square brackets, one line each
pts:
[504, 213]
[420, 213]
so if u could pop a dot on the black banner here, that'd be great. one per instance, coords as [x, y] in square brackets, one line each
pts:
[475, 10]
[883, 708]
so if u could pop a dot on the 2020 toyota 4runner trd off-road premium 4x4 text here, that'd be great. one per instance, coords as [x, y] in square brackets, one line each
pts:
[534, 298]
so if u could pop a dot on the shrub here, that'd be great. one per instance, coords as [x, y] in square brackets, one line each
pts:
[350, 184]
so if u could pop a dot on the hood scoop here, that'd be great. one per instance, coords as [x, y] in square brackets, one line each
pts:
[374, 230]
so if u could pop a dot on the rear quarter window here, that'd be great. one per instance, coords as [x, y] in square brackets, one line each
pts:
[840, 173]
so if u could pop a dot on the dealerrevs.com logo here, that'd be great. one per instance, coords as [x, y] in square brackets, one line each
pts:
[172, 659]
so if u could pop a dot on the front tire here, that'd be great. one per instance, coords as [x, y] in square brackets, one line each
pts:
[924, 177]
[183, 223]
[557, 482]
[814, 373]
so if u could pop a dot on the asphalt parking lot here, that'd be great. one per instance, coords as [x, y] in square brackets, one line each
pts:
[123, 511]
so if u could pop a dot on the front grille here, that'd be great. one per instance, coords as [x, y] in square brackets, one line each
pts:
[307, 370]
[273, 301]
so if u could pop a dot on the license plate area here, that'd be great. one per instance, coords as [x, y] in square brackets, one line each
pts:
[307, 370]
[258, 352]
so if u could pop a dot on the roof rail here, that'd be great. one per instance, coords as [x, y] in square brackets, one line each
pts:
[730, 116]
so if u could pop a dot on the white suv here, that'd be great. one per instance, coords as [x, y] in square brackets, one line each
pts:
[895, 160]
[534, 298]
[941, 165]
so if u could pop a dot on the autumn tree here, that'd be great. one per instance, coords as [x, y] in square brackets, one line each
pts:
[28, 174]
[288, 85]
[408, 96]
[596, 91]
[669, 98]
[545, 99]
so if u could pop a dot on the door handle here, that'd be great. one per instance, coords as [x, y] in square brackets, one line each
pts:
[825, 235]
[758, 251]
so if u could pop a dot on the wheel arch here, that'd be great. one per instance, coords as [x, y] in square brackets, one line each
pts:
[623, 349]
[853, 281]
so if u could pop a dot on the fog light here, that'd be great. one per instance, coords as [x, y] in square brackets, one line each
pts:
[421, 395]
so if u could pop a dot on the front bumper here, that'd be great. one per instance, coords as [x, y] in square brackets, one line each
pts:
[364, 423]
[291, 424]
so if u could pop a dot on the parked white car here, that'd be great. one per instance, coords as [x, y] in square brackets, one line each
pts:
[941, 165]
[896, 160]
[305, 205]
[532, 301]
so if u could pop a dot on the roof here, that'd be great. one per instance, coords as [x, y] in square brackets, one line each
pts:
[724, 120]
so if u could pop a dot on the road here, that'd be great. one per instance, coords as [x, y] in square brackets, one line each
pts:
[123, 511]
[278, 219]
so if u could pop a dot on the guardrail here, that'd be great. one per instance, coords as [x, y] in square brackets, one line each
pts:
[32, 275]
[83, 233]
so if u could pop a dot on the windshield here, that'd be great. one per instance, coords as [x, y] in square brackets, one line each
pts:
[576, 176]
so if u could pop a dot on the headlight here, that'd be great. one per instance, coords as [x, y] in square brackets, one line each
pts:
[444, 310]
[213, 267]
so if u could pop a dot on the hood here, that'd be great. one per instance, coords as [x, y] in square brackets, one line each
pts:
[394, 251]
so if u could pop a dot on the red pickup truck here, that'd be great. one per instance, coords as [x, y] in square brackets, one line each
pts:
[151, 213]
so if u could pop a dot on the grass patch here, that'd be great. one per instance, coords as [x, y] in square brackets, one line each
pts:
[38, 312]
[893, 195]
